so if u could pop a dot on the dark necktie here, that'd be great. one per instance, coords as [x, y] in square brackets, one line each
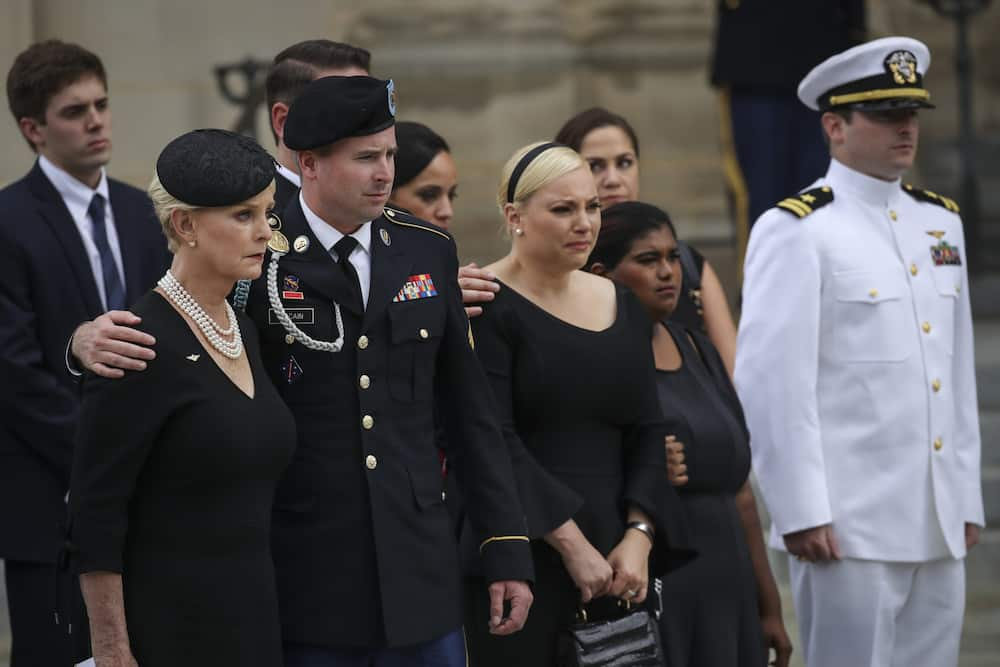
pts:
[114, 292]
[344, 247]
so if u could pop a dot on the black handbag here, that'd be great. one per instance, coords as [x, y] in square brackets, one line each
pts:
[632, 640]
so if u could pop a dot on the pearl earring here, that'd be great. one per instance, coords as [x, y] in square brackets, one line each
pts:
[192, 243]
[519, 231]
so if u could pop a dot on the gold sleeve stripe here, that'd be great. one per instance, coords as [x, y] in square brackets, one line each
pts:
[795, 206]
[881, 94]
[504, 538]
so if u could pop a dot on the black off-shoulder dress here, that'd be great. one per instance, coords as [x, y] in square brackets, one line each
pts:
[173, 480]
[579, 413]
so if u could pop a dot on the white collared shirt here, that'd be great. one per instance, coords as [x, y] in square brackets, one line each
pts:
[289, 175]
[77, 198]
[328, 236]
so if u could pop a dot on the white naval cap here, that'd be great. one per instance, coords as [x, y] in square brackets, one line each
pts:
[882, 74]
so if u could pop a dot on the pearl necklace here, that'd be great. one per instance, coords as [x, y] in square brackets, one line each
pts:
[210, 328]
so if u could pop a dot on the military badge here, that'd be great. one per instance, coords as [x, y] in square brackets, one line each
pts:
[301, 243]
[278, 242]
[290, 289]
[384, 235]
[290, 370]
[420, 286]
[944, 254]
[390, 89]
[902, 65]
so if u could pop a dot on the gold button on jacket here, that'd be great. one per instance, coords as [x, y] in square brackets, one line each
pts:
[364, 382]
[371, 462]
[368, 422]
[363, 342]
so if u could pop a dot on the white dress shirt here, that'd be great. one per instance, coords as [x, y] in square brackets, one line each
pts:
[361, 256]
[77, 198]
[855, 367]
[289, 174]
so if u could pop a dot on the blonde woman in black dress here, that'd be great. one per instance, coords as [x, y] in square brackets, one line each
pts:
[568, 356]
[175, 466]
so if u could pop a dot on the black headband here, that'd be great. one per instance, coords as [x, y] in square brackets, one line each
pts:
[523, 163]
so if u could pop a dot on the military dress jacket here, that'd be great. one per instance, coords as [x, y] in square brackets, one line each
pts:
[47, 289]
[855, 367]
[363, 545]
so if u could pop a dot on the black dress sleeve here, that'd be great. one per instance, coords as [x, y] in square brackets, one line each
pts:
[716, 369]
[119, 423]
[646, 485]
[546, 501]
[476, 445]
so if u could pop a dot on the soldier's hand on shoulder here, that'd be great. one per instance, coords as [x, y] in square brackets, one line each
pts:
[108, 346]
[478, 285]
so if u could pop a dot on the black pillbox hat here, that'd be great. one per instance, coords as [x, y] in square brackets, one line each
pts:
[336, 107]
[214, 168]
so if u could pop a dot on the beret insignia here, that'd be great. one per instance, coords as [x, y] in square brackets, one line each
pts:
[931, 198]
[806, 202]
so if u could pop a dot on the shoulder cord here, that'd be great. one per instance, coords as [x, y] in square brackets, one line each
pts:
[286, 322]
[241, 295]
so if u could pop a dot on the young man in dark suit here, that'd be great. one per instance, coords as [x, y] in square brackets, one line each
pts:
[73, 244]
[291, 71]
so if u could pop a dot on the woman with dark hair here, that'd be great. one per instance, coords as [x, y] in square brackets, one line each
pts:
[610, 146]
[426, 181]
[723, 610]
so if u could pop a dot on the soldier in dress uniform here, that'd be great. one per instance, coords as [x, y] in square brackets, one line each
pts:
[364, 333]
[855, 367]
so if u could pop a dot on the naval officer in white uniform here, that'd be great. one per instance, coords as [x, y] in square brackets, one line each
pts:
[855, 367]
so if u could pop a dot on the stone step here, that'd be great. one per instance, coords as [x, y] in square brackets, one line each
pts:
[989, 427]
[982, 565]
[991, 493]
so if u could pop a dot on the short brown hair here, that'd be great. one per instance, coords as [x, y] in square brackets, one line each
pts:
[294, 68]
[42, 70]
[576, 129]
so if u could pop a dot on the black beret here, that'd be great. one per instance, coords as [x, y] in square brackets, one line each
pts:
[336, 107]
[214, 168]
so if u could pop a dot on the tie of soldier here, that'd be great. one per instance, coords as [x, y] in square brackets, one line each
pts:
[344, 247]
[114, 292]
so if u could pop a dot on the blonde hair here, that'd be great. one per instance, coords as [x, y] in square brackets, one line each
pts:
[164, 204]
[547, 166]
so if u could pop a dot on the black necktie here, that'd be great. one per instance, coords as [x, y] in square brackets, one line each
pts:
[114, 292]
[344, 247]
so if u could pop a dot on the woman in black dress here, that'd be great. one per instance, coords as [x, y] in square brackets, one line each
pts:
[723, 610]
[610, 146]
[175, 466]
[569, 360]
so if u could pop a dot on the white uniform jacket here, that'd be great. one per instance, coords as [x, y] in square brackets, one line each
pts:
[855, 367]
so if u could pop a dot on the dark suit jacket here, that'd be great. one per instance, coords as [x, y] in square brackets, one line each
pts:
[47, 289]
[363, 545]
[769, 45]
[284, 192]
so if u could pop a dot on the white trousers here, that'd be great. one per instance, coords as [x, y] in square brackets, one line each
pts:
[862, 613]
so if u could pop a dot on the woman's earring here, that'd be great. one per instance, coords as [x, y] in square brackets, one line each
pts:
[193, 243]
[519, 231]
